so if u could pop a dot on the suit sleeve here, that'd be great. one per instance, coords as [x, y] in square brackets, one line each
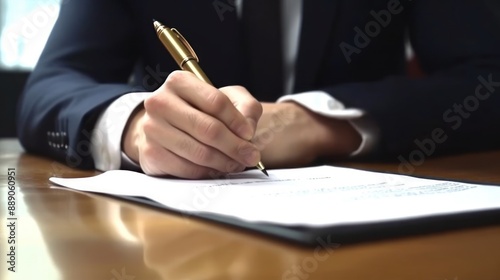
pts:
[85, 65]
[455, 107]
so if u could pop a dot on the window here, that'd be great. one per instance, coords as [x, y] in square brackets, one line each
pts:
[24, 28]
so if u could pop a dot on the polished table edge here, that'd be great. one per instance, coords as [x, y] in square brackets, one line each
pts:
[478, 167]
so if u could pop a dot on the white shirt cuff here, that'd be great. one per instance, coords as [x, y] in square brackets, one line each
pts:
[107, 134]
[323, 104]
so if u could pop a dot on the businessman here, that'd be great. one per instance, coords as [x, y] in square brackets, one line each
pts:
[296, 81]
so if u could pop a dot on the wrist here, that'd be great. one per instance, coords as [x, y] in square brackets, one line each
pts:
[339, 138]
[329, 137]
[131, 134]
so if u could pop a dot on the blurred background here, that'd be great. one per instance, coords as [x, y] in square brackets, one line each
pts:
[24, 28]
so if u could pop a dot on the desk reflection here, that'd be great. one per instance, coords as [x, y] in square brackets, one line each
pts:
[179, 249]
[88, 236]
[81, 236]
[91, 237]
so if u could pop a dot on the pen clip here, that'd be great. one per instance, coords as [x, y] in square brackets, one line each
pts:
[185, 43]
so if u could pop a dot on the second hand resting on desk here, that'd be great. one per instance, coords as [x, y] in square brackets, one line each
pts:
[185, 57]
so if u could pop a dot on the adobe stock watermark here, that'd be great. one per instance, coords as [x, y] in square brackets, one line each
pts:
[223, 6]
[454, 117]
[29, 27]
[310, 264]
[121, 275]
[372, 29]
[154, 77]
[11, 222]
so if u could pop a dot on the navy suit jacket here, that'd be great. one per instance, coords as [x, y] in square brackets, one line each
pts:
[348, 48]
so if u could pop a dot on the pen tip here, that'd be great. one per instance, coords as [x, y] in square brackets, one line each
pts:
[262, 168]
[156, 24]
[265, 172]
[154, 20]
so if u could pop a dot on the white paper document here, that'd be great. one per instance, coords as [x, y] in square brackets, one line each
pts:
[313, 196]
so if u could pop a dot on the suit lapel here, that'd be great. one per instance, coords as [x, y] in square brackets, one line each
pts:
[316, 30]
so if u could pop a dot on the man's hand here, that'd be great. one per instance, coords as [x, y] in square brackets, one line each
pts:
[190, 129]
[290, 135]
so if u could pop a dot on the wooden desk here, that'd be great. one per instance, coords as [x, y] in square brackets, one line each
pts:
[67, 235]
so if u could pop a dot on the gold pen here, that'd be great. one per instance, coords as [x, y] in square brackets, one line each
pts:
[185, 57]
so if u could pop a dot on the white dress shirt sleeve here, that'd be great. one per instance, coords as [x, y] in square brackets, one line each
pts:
[318, 101]
[323, 104]
[107, 134]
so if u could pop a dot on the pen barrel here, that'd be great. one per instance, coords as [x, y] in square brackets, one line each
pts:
[174, 46]
[193, 67]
